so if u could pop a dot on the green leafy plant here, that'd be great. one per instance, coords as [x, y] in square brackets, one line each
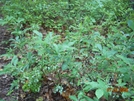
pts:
[92, 44]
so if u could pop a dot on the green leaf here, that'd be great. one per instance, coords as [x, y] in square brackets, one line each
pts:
[56, 47]
[126, 95]
[2, 22]
[87, 88]
[99, 93]
[64, 66]
[131, 24]
[73, 97]
[14, 61]
[102, 84]
[38, 33]
[126, 60]
[2, 100]
[94, 85]
[123, 70]
[86, 98]
[121, 83]
[98, 46]
[80, 95]
[67, 46]
[108, 53]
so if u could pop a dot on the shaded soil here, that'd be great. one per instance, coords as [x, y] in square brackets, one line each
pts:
[5, 80]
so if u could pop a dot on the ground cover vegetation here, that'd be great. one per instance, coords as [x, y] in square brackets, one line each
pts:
[81, 49]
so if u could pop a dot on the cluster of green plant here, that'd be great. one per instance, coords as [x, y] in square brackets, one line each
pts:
[98, 44]
[56, 14]
[104, 57]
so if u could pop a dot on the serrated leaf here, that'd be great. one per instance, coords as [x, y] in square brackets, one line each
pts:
[99, 93]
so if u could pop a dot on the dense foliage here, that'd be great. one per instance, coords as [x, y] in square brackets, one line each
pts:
[87, 43]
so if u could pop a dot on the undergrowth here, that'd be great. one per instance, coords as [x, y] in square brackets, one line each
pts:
[87, 44]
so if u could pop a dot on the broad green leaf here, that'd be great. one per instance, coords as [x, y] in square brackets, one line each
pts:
[96, 34]
[64, 66]
[80, 95]
[126, 95]
[73, 97]
[94, 85]
[108, 53]
[99, 93]
[98, 46]
[38, 33]
[123, 69]
[126, 60]
[120, 83]
[131, 24]
[2, 22]
[87, 88]
[102, 84]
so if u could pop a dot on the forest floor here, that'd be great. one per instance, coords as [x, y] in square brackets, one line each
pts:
[46, 91]
[5, 80]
